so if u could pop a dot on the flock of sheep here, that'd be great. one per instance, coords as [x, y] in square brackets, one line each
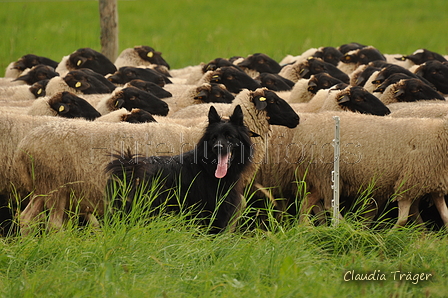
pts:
[61, 122]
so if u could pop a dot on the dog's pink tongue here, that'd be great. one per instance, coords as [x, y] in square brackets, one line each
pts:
[221, 169]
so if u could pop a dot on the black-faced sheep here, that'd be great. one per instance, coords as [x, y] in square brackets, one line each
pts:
[38, 73]
[87, 81]
[64, 104]
[409, 90]
[150, 87]
[436, 73]
[126, 74]
[274, 82]
[420, 56]
[235, 80]
[29, 61]
[140, 56]
[86, 58]
[353, 59]
[261, 63]
[123, 115]
[329, 54]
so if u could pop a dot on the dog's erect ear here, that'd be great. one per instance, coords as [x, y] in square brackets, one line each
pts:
[213, 115]
[237, 116]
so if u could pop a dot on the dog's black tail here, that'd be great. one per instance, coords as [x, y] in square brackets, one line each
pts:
[125, 173]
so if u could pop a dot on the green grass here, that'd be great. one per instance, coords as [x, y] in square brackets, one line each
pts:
[189, 32]
[170, 256]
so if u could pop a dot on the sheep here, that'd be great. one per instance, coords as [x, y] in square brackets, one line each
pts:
[127, 73]
[86, 58]
[21, 92]
[88, 82]
[353, 59]
[350, 98]
[310, 66]
[14, 69]
[405, 157]
[132, 97]
[409, 90]
[205, 93]
[140, 56]
[63, 104]
[149, 87]
[37, 73]
[305, 89]
[420, 56]
[234, 79]
[436, 73]
[133, 116]
[274, 82]
[88, 147]
[260, 62]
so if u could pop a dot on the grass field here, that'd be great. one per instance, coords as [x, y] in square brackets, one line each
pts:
[171, 257]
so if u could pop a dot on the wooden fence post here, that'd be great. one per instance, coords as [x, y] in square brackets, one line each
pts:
[109, 28]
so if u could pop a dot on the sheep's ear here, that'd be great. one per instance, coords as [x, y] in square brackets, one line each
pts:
[213, 116]
[260, 102]
[419, 71]
[62, 108]
[201, 95]
[237, 116]
[119, 103]
[343, 98]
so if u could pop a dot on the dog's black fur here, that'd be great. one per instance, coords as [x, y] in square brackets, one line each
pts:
[194, 176]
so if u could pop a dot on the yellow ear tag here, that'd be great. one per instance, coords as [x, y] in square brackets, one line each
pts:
[116, 103]
[78, 63]
[39, 91]
[78, 84]
[150, 54]
[61, 108]
[262, 98]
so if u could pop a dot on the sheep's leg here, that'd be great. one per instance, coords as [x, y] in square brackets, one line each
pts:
[403, 212]
[31, 213]
[439, 201]
[308, 202]
[415, 212]
[56, 207]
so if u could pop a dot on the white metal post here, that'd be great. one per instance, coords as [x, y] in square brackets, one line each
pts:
[335, 172]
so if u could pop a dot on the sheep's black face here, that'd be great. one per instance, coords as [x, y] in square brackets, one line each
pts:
[345, 48]
[392, 79]
[357, 99]
[150, 87]
[134, 98]
[139, 116]
[38, 88]
[69, 105]
[423, 55]
[316, 65]
[89, 58]
[366, 55]
[30, 60]
[329, 54]
[150, 55]
[321, 81]
[278, 111]
[261, 63]
[126, 74]
[365, 75]
[436, 73]
[234, 79]
[414, 89]
[274, 82]
[388, 70]
[38, 73]
[217, 93]
[88, 82]
[215, 64]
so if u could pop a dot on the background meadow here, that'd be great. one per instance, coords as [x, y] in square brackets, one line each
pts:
[170, 256]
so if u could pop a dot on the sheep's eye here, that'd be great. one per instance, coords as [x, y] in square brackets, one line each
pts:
[326, 84]
[230, 78]
[261, 61]
[359, 99]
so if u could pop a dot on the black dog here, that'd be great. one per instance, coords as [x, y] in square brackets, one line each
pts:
[206, 178]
